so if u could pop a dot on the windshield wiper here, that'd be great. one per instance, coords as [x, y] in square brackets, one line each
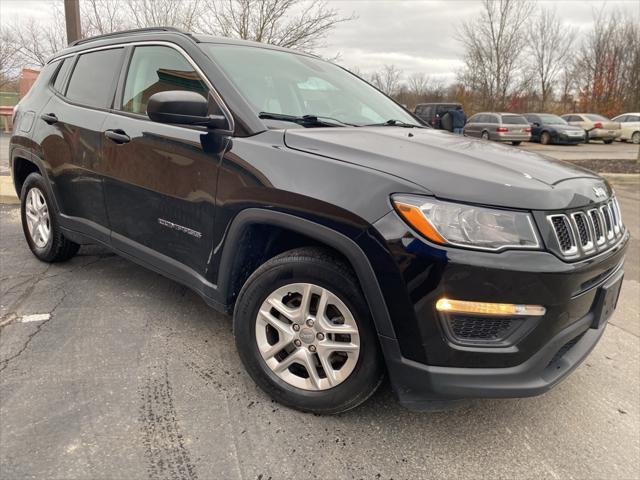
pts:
[394, 123]
[305, 120]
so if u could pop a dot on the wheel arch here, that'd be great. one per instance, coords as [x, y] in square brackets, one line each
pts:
[291, 231]
[21, 168]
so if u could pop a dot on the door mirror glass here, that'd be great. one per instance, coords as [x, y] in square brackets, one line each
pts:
[183, 108]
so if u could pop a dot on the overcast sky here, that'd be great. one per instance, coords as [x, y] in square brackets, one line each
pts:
[414, 35]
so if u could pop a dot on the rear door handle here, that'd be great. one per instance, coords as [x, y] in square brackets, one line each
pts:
[50, 118]
[117, 136]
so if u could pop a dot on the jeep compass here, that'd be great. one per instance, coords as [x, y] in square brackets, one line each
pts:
[348, 239]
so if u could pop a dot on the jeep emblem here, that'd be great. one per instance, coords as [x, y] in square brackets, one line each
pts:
[600, 192]
[307, 335]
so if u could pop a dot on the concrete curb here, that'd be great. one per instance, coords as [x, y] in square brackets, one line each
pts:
[622, 177]
[7, 193]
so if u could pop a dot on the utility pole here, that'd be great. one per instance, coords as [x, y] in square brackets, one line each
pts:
[72, 18]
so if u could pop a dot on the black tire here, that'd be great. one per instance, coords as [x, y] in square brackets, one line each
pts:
[319, 267]
[608, 142]
[516, 143]
[57, 248]
[635, 138]
[545, 138]
[485, 135]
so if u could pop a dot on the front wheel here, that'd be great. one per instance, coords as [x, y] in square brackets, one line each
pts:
[40, 224]
[305, 335]
[545, 138]
[485, 135]
[635, 138]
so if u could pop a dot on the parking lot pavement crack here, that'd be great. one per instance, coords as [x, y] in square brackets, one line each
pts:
[5, 362]
[12, 313]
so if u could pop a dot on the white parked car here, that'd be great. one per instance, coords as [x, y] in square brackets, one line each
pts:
[630, 125]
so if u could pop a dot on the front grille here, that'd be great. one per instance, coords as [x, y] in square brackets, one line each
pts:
[583, 229]
[563, 231]
[480, 328]
[597, 226]
[584, 232]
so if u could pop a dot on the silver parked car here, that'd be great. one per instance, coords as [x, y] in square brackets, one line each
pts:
[499, 127]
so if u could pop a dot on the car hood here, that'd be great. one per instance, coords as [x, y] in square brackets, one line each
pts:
[455, 167]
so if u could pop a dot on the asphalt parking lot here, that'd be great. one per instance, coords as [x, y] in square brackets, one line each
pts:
[109, 371]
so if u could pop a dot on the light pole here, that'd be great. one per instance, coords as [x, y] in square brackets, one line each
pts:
[72, 19]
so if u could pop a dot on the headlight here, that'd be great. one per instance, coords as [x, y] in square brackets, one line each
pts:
[467, 225]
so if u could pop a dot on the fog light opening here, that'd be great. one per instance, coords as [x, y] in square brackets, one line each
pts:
[447, 305]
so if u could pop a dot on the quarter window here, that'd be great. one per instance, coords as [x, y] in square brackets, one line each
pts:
[93, 79]
[156, 69]
[61, 76]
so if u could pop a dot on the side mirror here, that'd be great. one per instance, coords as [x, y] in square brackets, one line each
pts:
[183, 107]
[536, 124]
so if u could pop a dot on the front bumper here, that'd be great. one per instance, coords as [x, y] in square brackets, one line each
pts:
[425, 363]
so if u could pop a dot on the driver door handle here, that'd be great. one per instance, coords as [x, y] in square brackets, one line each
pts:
[118, 136]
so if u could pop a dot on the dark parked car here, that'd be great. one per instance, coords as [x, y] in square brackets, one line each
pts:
[547, 128]
[499, 127]
[346, 239]
[432, 113]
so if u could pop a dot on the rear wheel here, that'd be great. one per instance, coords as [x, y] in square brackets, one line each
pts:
[305, 335]
[485, 135]
[40, 224]
[545, 138]
[516, 143]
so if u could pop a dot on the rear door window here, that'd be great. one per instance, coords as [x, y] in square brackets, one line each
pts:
[94, 77]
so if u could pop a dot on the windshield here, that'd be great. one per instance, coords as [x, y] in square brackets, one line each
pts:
[286, 83]
[597, 118]
[552, 120]
[514, 120]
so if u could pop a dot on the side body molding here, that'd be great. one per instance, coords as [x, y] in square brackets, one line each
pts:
[343, 244]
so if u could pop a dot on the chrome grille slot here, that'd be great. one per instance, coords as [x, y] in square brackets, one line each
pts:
[596, 221]
[585, 232]
[564, 234]
[608, 222]
[614, 217]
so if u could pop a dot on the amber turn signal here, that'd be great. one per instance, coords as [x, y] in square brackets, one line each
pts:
[414, 217]
[483, 308]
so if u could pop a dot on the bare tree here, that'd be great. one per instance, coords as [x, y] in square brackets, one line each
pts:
[388, 80]
[550, 49]
[33, 42]
[608, 65]
[418, 84]
[9, 60]
[493, 50]
[184, 14]
[286, 23]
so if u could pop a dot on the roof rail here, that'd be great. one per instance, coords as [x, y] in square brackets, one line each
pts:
[128, 32]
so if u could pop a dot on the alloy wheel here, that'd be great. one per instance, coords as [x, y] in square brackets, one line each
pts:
[38, 219]
[307, 336]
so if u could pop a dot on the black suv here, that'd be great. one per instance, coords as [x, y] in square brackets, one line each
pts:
[348, 239]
